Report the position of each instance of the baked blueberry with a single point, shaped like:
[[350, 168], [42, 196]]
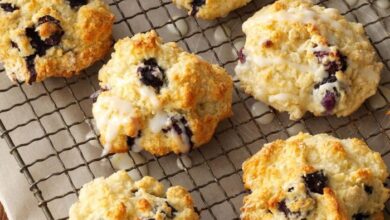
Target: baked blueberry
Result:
[[95, 95], [360, 216], [40, 45], [368, 189], [130, 141], [30, 62], [55, 38], [241, 56], [196, 4], [14, 45], [181, 127], [339, 63], [321, 55], [282, 206], [152, 74], [342, 61], [36, 42], [77, 3], [332, 67], [329, 101], [330, 79], [316, 182], [8, 7]]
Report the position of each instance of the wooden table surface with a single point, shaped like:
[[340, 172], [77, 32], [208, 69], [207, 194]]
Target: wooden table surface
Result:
[[2, 213]]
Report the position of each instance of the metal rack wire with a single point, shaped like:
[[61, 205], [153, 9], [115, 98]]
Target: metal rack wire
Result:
[[214, 179]]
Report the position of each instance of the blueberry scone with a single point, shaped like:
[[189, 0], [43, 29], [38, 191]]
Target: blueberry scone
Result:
[[210, 9], [52, 38], [159, 98], [299, 57], [315, 177], [119, 197]]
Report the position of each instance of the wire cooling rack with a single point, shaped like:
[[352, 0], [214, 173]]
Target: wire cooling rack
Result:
[[45, 125]]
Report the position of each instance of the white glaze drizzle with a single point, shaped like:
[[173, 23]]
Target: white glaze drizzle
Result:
[[158, 122], [162, 120], [149, 93], [270, 61], [111, 114], [183, 138], [303, 15], [136, 148]]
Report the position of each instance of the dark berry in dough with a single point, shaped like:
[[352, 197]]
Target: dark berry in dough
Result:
[[77, 3], [282, 206], [196, 4], [36, 42], [55, 38], [368, 189], [360, 216], [30, 62], [130, 142], [180, 125], [151, 74], [241, 56], [316, 182], [8, 7], [329, 101]]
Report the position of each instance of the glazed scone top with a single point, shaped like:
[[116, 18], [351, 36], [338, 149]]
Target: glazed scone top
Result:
[[315, 177], [119, 197], [301, 57], [210, 9], [159, 98], [44, 38]]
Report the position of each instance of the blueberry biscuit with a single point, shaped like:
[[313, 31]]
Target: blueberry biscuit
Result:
[[159, 98], [119, 197], [210, 9], [315, 177], [52, 38], [299, 57]]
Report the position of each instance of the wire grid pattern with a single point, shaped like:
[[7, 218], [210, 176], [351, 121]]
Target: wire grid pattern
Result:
[[49, 115]]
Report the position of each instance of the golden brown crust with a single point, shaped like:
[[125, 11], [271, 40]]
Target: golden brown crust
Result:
[[118, 197], [179, 114], [80, 36], [351, 174]]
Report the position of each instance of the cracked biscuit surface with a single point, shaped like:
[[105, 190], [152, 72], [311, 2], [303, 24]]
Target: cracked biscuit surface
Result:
[[315, 177], [210, 9], [299, 57], [159, 98], [119, 197], [52, 38]]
